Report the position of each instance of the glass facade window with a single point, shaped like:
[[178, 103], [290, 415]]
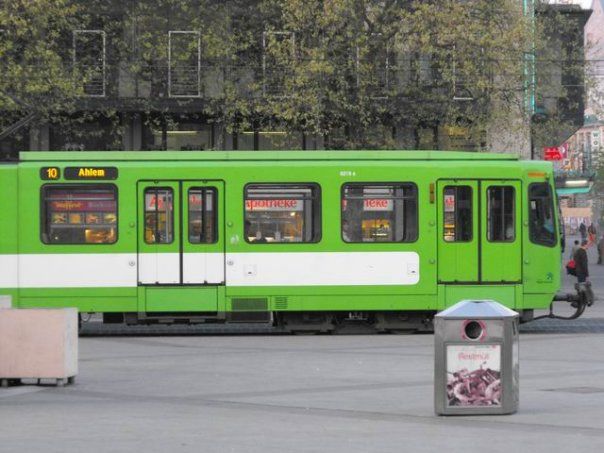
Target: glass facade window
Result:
[[500, 214], [202, 215], [541, 214], [282, 213], [457, 218], [79, 214], [159, 215], [379, 212]]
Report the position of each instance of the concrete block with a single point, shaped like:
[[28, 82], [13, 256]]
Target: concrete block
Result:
[[38, 343], [6, 301]]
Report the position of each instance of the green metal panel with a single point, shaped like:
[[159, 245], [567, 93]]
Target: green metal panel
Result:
[[457, 260], [8, 207], [501, 261], [504, 294], [113, 303], [540, 263], [190, 299]]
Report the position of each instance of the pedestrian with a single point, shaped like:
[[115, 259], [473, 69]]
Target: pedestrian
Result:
[[345, 231], [576, 247], [591, 231], [600, 250], [581, 265], [583, 231]]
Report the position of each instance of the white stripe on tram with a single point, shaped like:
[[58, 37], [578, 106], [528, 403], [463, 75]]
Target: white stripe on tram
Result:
[[322, 269], [242, 269]]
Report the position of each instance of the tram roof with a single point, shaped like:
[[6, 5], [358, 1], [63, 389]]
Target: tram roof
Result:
[[103, 156]]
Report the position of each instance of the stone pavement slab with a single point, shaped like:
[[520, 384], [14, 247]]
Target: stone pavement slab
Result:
[[276, 393]]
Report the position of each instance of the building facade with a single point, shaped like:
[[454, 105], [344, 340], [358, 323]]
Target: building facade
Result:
[[153, 78]]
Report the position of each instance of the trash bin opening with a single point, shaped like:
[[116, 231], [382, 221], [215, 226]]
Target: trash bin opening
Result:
[[473, 330]]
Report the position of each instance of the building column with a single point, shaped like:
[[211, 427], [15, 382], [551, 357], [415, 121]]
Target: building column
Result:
[[39, 138], [133, 132], [137, 132], [404, 137]]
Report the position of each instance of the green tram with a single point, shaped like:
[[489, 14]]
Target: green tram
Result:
[[306, 240]]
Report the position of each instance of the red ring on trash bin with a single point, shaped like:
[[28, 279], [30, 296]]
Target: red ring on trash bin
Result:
[[483, 328]]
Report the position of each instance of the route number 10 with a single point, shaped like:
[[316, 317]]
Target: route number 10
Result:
[[50, 173]]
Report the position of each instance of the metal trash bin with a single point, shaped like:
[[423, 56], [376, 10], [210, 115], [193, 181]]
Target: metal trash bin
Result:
[[476, 359]]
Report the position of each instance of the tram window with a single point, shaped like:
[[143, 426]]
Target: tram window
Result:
[[79, 214], [159, 215], [457, 205], [541, 214], [500, 214], [202, 215], [282, 213], [379, 213]]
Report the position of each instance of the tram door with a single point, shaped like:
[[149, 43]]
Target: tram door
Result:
[[180, 238], [479, 232]]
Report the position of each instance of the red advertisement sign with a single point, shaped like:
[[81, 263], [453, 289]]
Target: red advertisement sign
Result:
[[377, 204], [474, 375], [274, 205], [91, 205], [552, 153]]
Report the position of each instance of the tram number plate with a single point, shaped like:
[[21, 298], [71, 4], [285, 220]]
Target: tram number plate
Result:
[[50, 173]]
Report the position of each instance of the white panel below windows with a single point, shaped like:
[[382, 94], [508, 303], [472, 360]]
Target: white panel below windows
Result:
[[242, 269], [203, 268], [84, 270], [9, 271], [322, 269], [159, 268]]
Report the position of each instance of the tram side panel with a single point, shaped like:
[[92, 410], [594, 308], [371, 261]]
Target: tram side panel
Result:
[[330, 274], [9, 233], [77, 242], [542, 250]]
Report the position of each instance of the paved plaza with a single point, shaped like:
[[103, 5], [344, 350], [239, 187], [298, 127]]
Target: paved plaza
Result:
[[267, 392]]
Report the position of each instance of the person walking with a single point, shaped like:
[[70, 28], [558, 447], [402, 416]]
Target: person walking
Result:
[[581, 264], [600, 249], [583, 231], [591, 231], [576, 247]]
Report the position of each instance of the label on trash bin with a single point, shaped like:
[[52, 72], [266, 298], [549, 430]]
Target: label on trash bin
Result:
[[474, 375]]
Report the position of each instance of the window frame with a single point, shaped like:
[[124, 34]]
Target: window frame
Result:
[[316, 211], [210, 189], [514, 216], [174, 231], [74, 50], [171, 67], [553, 208], [379, 184], [44, 211], [472, 212]]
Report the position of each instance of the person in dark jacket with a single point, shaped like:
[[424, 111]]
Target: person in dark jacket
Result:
[[581, 262], [583, 231], [576, 246]]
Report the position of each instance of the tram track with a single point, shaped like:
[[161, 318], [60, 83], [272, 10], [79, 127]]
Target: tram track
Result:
[[92, 329]]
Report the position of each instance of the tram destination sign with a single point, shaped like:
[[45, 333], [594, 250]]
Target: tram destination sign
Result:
[[98, 173]]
